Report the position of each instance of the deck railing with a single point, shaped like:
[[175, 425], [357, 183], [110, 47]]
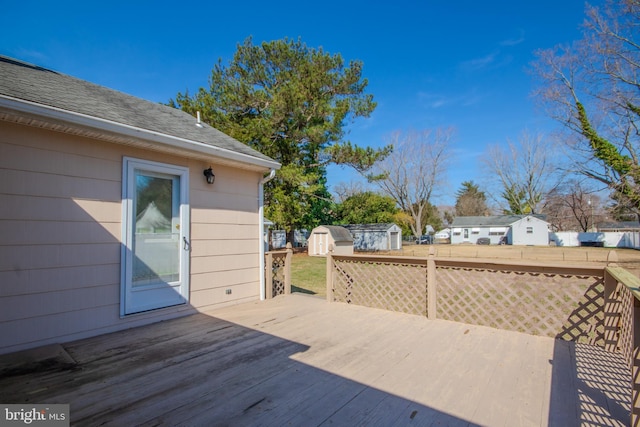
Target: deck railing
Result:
[[622, 326], [596, 304], [278, 272]]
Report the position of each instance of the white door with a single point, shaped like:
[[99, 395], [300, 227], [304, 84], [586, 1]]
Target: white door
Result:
[[155, 256], [321, 242], [395, 238]]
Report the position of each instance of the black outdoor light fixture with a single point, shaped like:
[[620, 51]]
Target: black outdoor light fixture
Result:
[[208, 173]]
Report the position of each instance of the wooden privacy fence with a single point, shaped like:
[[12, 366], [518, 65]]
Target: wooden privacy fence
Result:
[[597, 304], [278, 272]]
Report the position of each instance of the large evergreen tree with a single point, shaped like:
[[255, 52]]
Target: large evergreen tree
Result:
[[470, 201], [292, 103]]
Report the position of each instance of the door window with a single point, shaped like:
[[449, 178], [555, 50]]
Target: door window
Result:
[[155, 259]]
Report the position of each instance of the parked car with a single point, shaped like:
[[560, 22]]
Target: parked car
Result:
[[442, 237], [424, 240], [483, 241]]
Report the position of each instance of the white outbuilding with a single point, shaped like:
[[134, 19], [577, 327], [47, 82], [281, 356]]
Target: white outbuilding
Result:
[[507, 229], [376, 237], [324, 237]]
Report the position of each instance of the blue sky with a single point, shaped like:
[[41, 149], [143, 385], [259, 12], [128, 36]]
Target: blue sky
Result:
[[429, 63]]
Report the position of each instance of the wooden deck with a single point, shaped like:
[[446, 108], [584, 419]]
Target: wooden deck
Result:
[[298, 360]]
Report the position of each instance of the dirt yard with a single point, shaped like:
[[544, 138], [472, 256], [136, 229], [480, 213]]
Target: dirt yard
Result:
[[627, 258]]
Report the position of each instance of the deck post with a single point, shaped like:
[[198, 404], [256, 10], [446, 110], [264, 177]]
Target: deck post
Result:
[[431, 284], [329, 274], [287, 269], [611, 312], [268, 277]]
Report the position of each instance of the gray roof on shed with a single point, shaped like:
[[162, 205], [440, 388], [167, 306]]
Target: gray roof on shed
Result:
[[383, 227], [339, 234], [27, 82], [490, 221]]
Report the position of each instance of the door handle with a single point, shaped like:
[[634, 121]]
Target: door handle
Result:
[[186, 245]]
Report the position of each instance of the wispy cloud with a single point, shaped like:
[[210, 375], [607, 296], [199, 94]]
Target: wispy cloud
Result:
[[434, 100], [513, 41], [482, 62], [439, 100], [497, 58]]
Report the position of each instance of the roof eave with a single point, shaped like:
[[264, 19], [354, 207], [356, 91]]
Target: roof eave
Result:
[[131, 133]]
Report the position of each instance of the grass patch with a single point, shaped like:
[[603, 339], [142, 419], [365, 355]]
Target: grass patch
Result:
[[308, 274]]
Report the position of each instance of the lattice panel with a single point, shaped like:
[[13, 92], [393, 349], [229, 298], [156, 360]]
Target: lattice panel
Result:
[[625, 339], [561, 306], [278, 280], [390, 286]]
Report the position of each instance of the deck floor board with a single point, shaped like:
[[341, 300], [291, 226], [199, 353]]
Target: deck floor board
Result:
[[298, 360]]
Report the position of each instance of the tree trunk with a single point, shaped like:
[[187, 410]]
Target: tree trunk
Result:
[[291, 238]]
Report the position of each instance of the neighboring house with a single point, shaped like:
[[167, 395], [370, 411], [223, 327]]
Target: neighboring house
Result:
[[106, 219], [375, 237], [326, 237], [620, 226], [514, 229]]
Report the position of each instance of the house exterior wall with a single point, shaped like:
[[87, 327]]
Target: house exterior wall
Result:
[[472, 235], [61, 234], [526, 231], [530, 231]]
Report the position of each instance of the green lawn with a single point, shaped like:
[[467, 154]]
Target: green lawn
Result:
[[308, 274]]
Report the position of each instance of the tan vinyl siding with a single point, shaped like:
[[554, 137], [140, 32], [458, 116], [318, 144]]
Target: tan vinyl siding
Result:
[[16, 282], [56, 232], [209, 289], [206, 248], [60, 237], [219, 232], [73, 325], [225, 242]]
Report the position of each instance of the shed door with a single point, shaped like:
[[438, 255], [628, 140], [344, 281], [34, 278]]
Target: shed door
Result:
[[156, 240], [321, 243], [394, 240]]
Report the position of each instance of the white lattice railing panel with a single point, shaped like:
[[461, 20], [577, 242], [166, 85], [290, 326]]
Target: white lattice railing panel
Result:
[[548, 304], [393, 286]]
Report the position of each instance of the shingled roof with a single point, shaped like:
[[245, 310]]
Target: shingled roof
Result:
[[339, 234], [490, 221], [37, 96], [381, 227]]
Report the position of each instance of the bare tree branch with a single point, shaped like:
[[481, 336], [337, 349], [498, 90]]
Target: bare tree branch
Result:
[[415, 170]]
